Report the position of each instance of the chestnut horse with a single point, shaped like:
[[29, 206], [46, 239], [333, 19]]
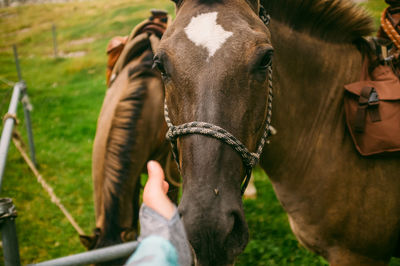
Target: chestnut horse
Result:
[[130, 131], [214, 61]]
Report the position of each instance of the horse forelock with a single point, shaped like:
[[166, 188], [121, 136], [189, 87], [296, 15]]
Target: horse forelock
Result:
[[335, 20]]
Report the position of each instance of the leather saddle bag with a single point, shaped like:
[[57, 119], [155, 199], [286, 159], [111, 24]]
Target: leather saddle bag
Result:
[[372, 109]]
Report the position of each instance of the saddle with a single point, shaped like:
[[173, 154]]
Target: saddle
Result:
[[121, 49], [372, 105]]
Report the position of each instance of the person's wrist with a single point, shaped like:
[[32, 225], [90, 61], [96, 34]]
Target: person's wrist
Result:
[[161, 205]]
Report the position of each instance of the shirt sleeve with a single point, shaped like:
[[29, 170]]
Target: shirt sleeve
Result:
[[172, 230], [154, 250]]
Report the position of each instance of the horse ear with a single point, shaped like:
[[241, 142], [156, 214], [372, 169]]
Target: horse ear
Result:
[[255, 5]]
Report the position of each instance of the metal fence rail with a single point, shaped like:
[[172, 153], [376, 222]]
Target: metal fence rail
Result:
[[95, 256], [10, 119], [9, 122], [7, 208], [8, 214]]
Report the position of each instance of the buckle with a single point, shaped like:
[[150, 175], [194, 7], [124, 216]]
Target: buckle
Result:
[[373, 98]]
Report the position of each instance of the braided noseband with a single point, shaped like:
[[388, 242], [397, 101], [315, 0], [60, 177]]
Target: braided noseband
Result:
[[249, 159]]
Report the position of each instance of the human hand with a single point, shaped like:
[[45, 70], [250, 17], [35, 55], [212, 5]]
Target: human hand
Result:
[[155, 191]]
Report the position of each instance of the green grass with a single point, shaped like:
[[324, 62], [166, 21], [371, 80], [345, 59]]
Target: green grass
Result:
[[271, 241], [67, 96]]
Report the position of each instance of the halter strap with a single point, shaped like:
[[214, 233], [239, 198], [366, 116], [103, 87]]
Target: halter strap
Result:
[[250, 159]]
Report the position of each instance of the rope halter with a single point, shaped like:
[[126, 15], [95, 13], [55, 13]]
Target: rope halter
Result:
[[250, 159]]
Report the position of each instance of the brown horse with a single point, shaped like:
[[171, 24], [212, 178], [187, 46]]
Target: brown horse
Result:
[[130, 131], [214, 61]]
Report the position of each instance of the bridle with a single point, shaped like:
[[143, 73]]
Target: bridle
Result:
[[250, 159]]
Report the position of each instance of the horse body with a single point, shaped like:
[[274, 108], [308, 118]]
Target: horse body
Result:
[[340, 205], [130, 131]]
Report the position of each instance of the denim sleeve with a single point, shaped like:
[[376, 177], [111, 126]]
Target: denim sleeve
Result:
[[154, 250], [152, 223], [172, 231]]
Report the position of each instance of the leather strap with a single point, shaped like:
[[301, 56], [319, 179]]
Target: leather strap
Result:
[[359, 123], [368, 101]]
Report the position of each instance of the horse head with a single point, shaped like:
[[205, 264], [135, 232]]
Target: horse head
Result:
[[215, 59]]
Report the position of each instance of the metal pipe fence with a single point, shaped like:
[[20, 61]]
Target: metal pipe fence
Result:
[[10, 118], [7, 209], [9, 121], [8, 232], [95, 256]]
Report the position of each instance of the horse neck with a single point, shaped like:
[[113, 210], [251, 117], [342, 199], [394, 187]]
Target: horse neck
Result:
[[309, 75]]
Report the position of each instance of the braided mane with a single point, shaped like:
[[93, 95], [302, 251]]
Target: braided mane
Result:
[[330, 20]]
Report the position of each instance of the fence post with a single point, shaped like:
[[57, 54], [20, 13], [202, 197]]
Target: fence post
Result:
[[17, 62], [55, 40], [27, 108], [9, 233]]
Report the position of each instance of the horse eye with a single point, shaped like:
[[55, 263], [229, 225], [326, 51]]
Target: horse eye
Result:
[[267, 60]]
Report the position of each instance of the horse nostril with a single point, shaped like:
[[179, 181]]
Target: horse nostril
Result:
[[238, 236], [181, 211]]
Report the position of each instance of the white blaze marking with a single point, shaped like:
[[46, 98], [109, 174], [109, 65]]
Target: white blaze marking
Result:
[[204, 31]]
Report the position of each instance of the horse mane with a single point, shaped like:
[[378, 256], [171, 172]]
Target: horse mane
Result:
[[330, 20], [118, 155], [118, 162]]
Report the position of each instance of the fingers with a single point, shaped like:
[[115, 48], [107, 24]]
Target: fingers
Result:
[[155, 190], [165, 187], [156, 176], [155, 182], [155, 171]]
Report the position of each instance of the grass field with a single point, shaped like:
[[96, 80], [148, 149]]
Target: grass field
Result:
[[67, 94]]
